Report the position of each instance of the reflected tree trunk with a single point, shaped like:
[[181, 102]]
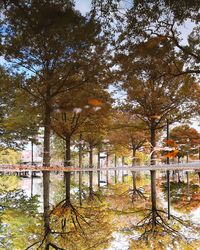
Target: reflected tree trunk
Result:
[[46, 174], [107, 163], [98, 166], [122, 168], [115, 164], [91, 173], [133, 172], [179, 180], [67, 164], [32, 162], [80, 173], [153, 175], [199, 177], [188, 185]]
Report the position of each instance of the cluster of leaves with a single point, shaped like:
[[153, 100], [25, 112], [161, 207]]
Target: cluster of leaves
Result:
[[18, 114], [187, 139], [184, 198], [172, 148], [20, 221], [74, 227], [9, 156], [62, 60]]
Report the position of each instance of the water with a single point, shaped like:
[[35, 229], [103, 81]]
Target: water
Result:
[[120, 240]]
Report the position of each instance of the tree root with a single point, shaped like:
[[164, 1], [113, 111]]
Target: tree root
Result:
[[67, 211], [155, 223], [93, 196], [135, 194]]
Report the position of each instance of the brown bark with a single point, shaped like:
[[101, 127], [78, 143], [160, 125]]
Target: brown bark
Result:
[[134, 180], [80, 173], [122, 169], [91, 173], [107, 174], [67, 163], [153, 197], [153, 176], [115, 170], [133, 172], [46, 174], [98, 166], [199, 177]]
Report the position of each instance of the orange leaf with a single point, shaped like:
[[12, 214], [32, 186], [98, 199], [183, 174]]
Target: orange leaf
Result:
[[171, 154], [95, 102], [171, 143]]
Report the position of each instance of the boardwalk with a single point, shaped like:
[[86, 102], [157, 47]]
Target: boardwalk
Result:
[[164, 167]]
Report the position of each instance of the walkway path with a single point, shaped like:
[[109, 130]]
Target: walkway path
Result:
[[182, 166]]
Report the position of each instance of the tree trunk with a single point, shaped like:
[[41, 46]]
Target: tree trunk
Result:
[[90, 172], [115, 170], [174, 175], [107, 174], [32, 162], [133, 172], [153, 197], [46, 174], [67, 163], [122, 168], [199, 177], [179, 176], [188, 185], [98, 166], [80, 173], [153, 177]]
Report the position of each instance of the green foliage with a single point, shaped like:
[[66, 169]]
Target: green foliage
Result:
[[184, 198], [57, 149], [164, 241], [9, 156], [20, 221], [9, 183], [19, 201], [18, 114]]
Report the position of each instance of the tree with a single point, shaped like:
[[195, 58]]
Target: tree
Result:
[[186, 137], [19, 213], [130, 133], [18, 114], [165, 21], [94, 133], [162, 20], [152, 94], [75, 115], [54, 46], [9, 156]]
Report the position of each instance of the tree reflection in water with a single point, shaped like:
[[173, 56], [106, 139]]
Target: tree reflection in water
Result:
[[95, 224], [20, 222]]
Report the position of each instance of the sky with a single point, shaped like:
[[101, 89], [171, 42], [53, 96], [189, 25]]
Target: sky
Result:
[[83, 5]]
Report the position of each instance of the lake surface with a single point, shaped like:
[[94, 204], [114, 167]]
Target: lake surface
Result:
[[184, 204]]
